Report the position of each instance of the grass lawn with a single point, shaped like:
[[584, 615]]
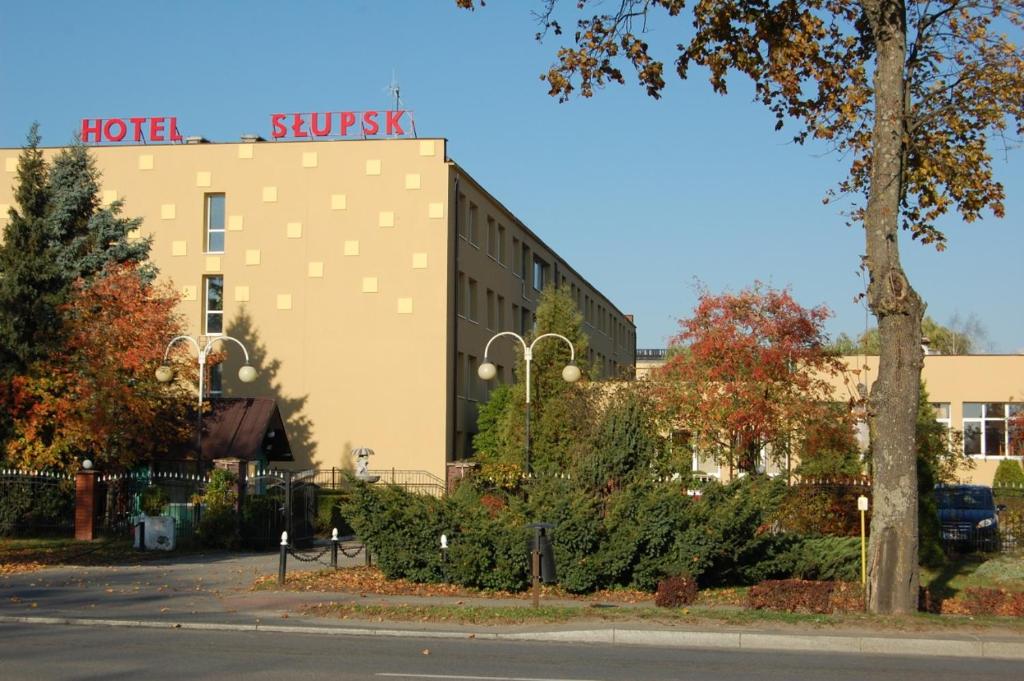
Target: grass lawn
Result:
[[1000, 571]]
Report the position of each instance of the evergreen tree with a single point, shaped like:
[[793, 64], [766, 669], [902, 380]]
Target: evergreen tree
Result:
[[560, 413], [31, 285], [88, 237]]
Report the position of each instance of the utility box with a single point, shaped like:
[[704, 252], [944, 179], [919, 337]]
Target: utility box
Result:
[[541, 541], [158, 531]]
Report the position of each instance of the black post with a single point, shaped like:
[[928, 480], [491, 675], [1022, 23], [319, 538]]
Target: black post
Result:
[[288, 502], [142, 533], [282, 566], [334, 548]]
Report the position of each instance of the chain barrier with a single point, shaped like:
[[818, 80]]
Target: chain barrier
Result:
[[355, 551], [308, 559]]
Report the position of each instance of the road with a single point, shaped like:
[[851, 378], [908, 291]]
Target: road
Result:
[[79, 653]]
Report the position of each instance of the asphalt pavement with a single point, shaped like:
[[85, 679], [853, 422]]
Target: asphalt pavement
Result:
[[213, 592]]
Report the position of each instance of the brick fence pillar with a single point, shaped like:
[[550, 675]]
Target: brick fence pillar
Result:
[[85, 505]]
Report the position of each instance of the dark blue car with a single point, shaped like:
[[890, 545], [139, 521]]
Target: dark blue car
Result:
[[969, 517]]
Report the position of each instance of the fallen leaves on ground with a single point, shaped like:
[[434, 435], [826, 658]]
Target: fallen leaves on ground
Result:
[[370, 580]]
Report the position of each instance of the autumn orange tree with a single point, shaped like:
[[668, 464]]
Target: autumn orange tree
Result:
[[750, 377], [914, 93], [97, 397]]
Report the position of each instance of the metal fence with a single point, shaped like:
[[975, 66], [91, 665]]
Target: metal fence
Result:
[[420, 482], [36, 503], [119, 500]]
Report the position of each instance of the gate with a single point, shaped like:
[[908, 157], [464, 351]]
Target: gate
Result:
[[119, 501], [34, 503], [277, 501]]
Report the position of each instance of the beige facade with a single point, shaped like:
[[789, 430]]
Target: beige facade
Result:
[[974, 395], [365, 276]]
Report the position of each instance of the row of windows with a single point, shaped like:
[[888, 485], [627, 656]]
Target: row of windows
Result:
[[525, 264], [468, 383], [987, 426], [467, 304]]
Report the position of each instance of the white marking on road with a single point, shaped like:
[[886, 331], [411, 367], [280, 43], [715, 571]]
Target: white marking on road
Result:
[[472, 678]]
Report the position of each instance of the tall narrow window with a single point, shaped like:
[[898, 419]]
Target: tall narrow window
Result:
[[214, 223], [517, 255], [501, 314], [492, 238], [473, 226], [216, 375], [213, 298], [502, 253], [474, 301], [492, 312]]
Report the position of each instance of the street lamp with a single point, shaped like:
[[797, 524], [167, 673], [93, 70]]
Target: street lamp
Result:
[[570, 374], [164, 373]]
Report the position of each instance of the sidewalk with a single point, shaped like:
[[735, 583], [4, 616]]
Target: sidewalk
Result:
[[213, 591]]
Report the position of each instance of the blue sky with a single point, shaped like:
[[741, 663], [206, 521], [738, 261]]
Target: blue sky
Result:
[[642, 197]]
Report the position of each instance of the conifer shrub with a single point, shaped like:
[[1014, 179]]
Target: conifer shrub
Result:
[[1009, 474]]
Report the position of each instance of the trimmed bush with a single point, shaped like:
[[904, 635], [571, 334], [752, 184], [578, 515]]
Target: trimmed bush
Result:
[[329, 515], [795, 595], [153, 500], [1009, 473], [402, 529], [218, 526], [674, 592]]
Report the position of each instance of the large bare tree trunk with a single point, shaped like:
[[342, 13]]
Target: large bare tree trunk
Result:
[[893, 567]]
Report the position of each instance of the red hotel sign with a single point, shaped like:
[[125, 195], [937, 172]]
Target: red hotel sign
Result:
[[137, 129], [341, 124]]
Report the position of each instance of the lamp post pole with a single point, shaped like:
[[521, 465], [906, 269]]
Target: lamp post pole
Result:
[[570, 374], [164, 374]]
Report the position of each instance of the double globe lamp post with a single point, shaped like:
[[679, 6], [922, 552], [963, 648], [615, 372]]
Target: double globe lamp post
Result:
[[165, 374], [570, 374]]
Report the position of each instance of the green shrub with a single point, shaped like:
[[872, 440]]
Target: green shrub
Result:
[[329, 515], [1009, 473], [153, 501], [218, 525], [401, 529], [30, 506], [826, 558], [487, 544]]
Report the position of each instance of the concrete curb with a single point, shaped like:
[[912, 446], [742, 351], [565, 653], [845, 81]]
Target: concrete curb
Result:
[[755, 641]]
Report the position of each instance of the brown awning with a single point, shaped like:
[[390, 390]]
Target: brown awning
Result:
[[248, 428]]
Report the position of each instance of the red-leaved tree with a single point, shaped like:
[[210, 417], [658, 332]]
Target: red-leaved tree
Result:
[[748, 375], [98, 397]]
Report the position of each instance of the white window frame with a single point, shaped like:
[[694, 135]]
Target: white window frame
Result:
[[207, 312], [209, 228]]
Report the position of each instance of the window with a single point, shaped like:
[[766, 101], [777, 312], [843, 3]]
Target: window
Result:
[[492, 238], [216, 376], [492, 312], [524, 262], [472, 379], [213, 297], [460, 375], [461, 296], [500, 375], [524, 320], [987, 428], [517, 254], [463, 223], [501, 314], [473, 226], [540, 273], [214, 223], [515, 318], [473, 312], [502, 253]]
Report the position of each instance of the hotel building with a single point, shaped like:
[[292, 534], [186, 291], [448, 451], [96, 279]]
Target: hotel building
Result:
[[365, 277]]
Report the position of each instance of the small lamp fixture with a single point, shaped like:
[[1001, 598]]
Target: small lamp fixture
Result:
[[86, 464], [487, 371], [247, 374], [571, 373], [164, 373]]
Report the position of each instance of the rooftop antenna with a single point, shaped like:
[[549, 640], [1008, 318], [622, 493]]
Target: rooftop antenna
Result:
[[395, 90]]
